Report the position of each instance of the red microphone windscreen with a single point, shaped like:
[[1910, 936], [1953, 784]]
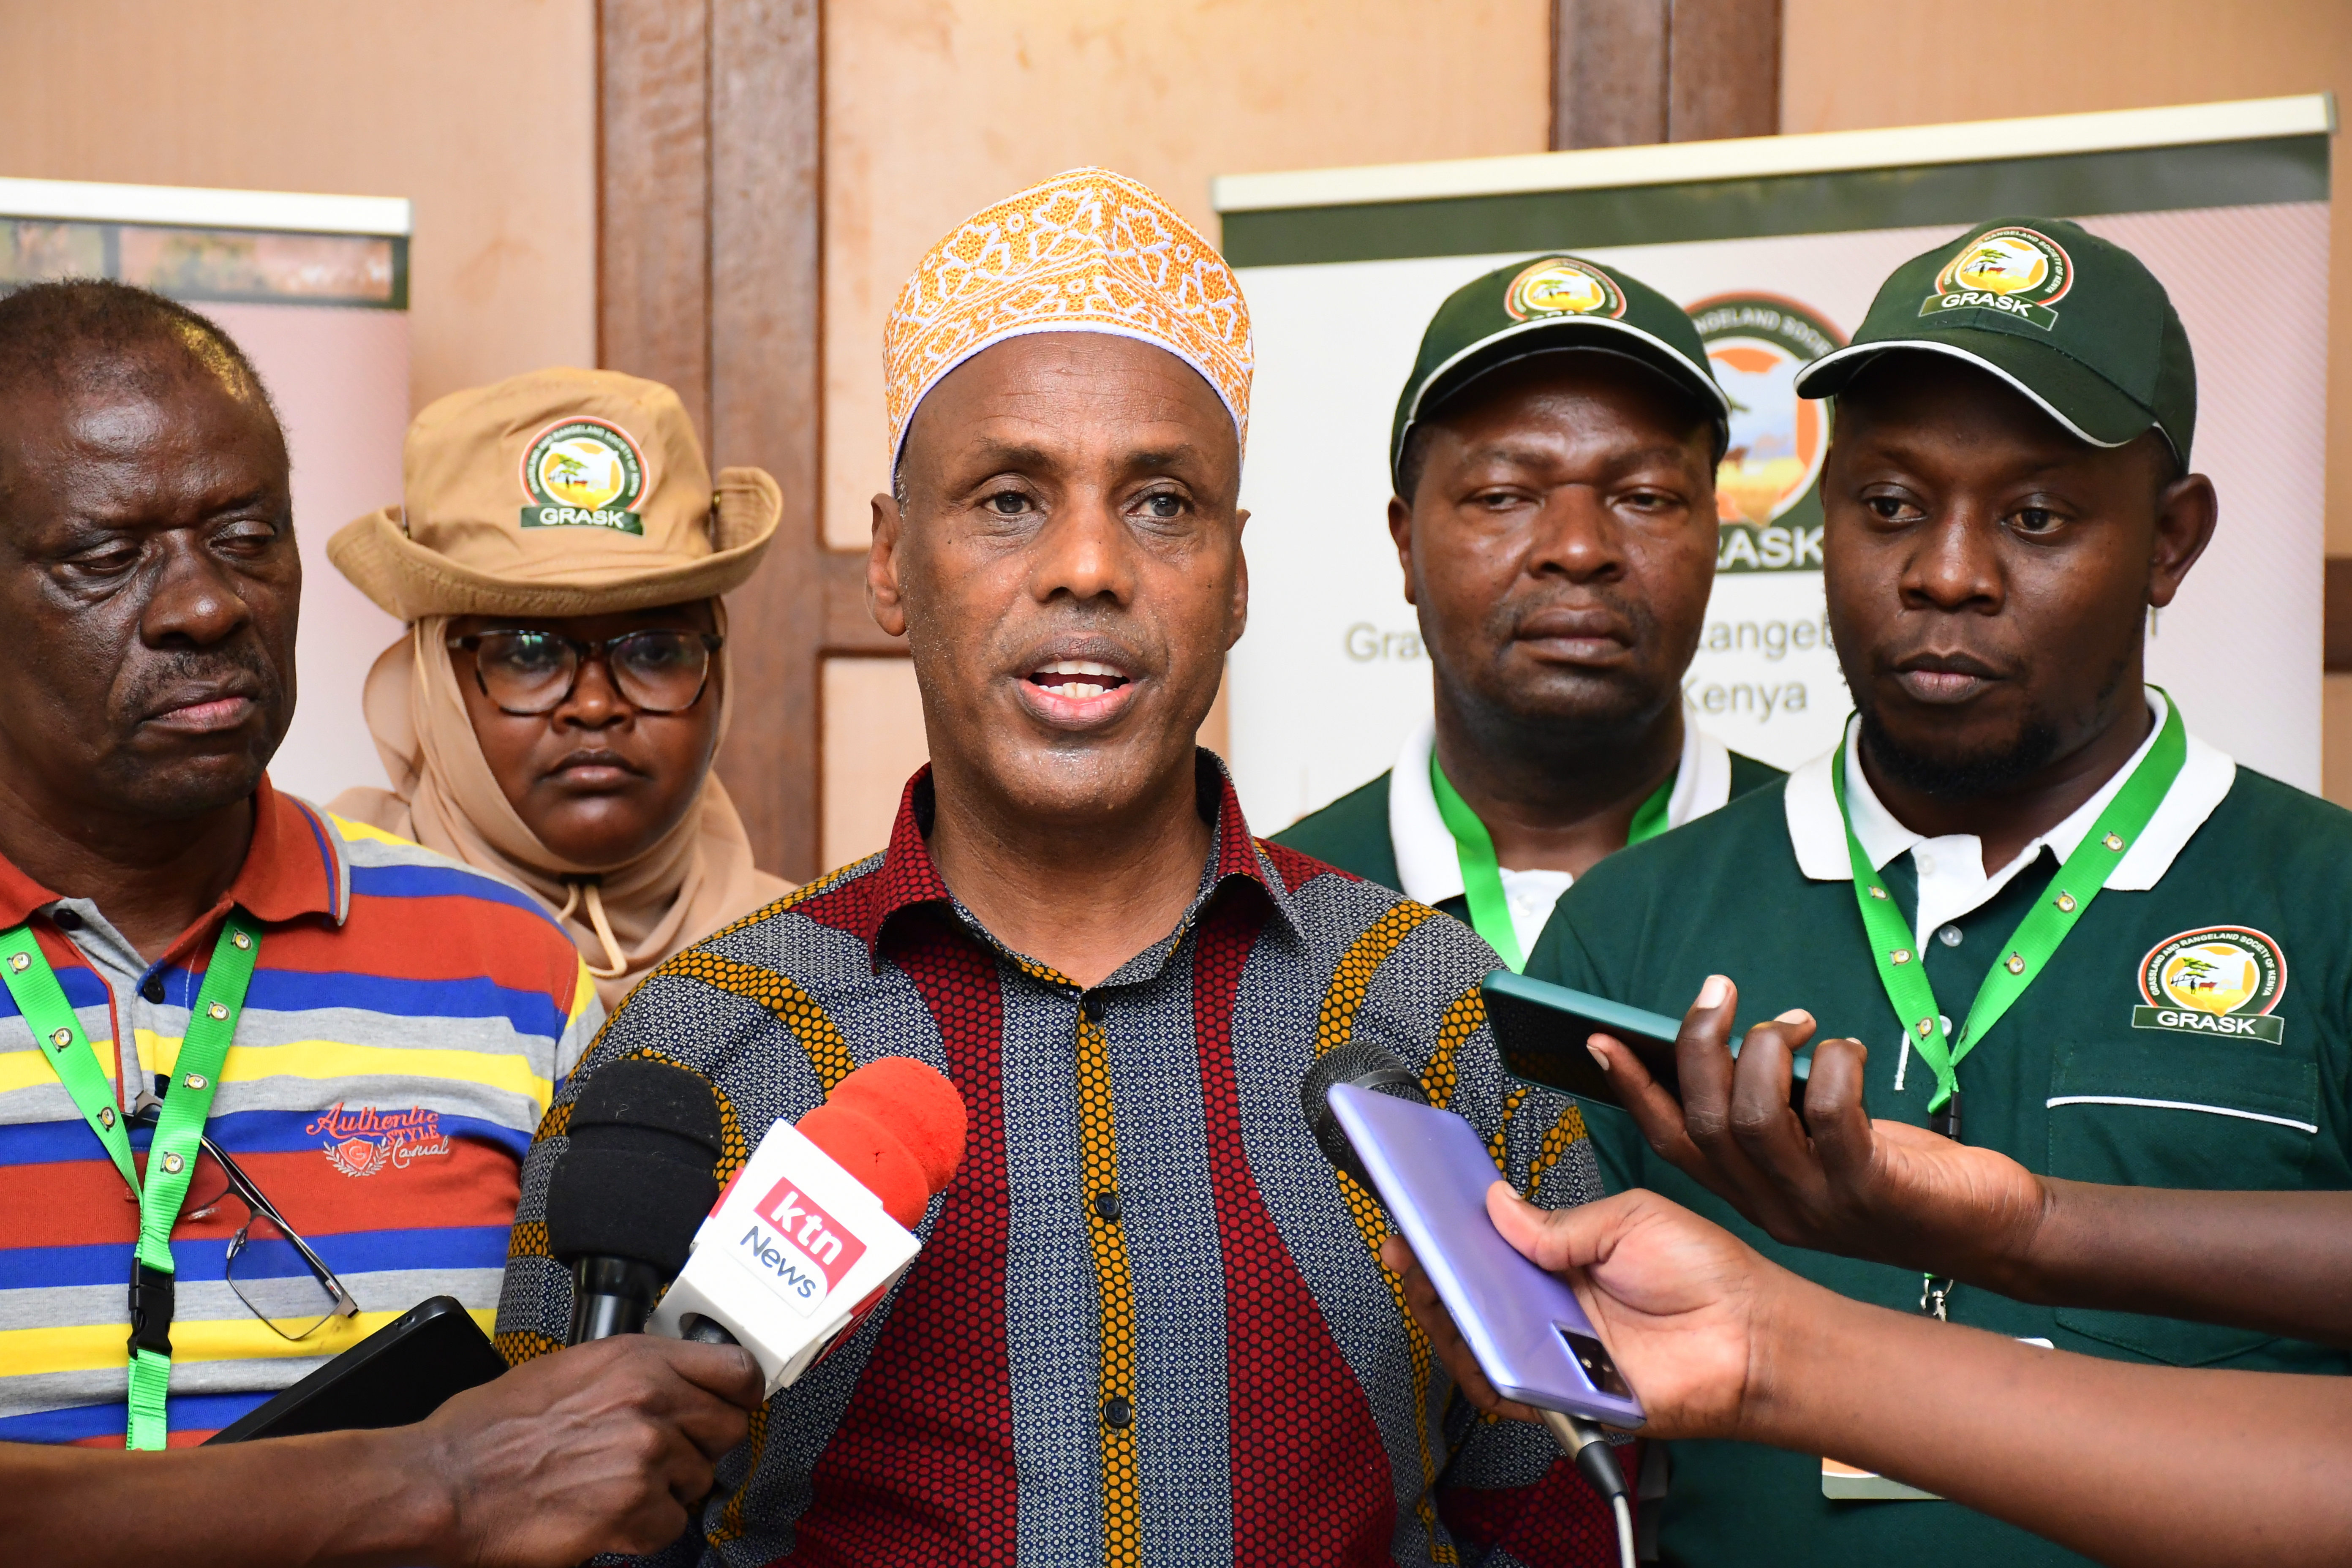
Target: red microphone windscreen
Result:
[[915, 1101], [873, 1154]]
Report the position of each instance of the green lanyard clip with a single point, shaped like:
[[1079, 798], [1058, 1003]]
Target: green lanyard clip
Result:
[[179, 1129], [1902, 969]]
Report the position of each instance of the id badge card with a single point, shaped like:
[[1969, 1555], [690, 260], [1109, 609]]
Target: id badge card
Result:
[[1842, 1482]]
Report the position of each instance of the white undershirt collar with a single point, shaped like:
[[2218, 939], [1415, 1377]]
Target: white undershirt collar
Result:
[[1952, 879], [1431, 868]]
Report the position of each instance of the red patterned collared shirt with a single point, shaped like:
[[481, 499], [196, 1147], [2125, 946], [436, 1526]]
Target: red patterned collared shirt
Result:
[[1147, 1324]]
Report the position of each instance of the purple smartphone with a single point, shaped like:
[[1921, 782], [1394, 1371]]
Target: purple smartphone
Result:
[[1525, 1327]]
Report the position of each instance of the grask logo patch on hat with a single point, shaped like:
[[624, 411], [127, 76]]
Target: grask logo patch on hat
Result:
[[583, 473], [1558, 287], [2222, 980], [2019, 272]]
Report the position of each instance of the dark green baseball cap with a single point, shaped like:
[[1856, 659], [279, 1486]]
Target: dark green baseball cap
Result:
[[2076, 322], [1552, 302]]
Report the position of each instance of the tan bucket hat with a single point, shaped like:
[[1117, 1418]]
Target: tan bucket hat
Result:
[[563, 492]]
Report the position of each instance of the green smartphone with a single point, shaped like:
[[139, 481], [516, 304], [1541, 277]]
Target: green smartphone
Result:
[[1541, 1030]]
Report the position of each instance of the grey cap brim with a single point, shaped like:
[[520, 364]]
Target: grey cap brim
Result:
[[2085, 404]]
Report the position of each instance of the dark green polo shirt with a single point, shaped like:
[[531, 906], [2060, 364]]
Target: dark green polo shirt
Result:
[[1352, 832], [2084, 1079]]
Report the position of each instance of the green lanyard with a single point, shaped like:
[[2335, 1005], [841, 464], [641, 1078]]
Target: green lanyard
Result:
[[171, 1154], [1482, 872], [1903, 972]]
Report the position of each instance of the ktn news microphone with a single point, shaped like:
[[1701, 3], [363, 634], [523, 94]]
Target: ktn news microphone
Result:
[[1431, 1172], [803, 1241]]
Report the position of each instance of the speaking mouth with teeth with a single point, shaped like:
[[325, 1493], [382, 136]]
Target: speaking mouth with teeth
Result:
[[1077, 679]]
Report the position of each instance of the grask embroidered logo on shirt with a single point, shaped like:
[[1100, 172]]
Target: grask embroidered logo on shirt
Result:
[[361, 1141], [2220, 979]]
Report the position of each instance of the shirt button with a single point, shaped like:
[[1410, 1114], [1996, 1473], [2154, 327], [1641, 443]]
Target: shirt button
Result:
[[1092, 1006], [1117, 1413], [153, 988], [1949, 936], [66, 919], [1106, 1203], [1926, 864]]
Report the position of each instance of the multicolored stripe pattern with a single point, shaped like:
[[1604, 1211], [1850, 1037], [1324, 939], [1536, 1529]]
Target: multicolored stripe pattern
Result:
[[1148, 1324], [404, 1033]]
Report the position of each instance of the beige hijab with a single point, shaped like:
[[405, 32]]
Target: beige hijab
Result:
[[624, 919]]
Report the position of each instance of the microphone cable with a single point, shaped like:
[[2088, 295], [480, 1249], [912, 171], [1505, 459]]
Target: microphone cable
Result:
[[1597, 1463]]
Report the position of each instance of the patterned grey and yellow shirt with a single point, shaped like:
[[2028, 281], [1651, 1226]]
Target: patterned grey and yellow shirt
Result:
[[1146, 1324]]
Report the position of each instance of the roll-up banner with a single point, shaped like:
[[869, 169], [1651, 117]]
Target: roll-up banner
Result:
[[1775, 244], [315, 290]]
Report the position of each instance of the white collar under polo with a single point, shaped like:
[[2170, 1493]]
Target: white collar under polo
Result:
[[1952, 877], [1431, 868]]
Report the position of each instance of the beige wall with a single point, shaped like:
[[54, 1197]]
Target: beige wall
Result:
[[480, 112], [936, 107]]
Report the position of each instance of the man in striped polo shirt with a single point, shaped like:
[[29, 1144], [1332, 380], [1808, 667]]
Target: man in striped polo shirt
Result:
[[367, 1030]]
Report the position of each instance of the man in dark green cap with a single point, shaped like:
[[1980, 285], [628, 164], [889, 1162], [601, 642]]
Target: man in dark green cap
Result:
[[1554, 456], [2060, 924]]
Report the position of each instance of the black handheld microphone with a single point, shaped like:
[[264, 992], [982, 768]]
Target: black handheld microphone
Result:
[[1367, 1066], [625, 1199], [1383, 1071]]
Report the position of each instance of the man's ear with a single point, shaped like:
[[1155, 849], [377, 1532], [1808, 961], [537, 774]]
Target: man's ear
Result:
[[885, 599], [1237, 607], [1400, 530], [2186, 514]]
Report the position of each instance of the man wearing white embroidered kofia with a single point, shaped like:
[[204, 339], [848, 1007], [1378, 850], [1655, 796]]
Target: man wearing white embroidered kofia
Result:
[[1148, 1322]]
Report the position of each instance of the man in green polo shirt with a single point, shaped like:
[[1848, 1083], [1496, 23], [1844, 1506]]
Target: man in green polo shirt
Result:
[[2060, 924], [1554, 456]]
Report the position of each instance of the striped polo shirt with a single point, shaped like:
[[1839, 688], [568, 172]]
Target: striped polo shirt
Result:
[[404, 1031], [1149, 1324]]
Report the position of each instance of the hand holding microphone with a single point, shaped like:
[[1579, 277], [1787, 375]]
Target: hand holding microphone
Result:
[[601, 1448], [805, 1238]]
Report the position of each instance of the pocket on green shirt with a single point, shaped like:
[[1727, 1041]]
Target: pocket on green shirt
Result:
[[2180, 1111]]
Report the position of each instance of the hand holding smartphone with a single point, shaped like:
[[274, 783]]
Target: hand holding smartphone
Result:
[[1541, 1028], [1525, 1327]]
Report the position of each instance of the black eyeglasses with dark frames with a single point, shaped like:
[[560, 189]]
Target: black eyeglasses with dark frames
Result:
[[276, 1273], [528, 673]]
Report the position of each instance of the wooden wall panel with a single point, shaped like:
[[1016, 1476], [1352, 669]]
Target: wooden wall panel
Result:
[[765, 168], [711, 166], [1629, 72], [1610, 72], [653, 229], [1724, 77]]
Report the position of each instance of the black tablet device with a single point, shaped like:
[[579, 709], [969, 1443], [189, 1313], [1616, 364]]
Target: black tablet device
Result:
[[1541, 1030], [398, 1374]]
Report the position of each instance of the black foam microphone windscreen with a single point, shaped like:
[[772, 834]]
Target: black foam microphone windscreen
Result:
[[640, 1172], [1367, 1066]]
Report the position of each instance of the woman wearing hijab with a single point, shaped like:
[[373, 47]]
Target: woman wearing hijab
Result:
[[553, 713]]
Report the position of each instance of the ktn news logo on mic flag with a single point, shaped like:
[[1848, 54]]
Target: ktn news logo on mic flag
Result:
[[807, 1249]]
